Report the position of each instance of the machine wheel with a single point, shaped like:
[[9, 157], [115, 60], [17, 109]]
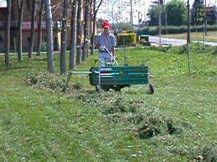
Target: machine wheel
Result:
[[98, 88], [105, 88], [151, 89], [117, 88]]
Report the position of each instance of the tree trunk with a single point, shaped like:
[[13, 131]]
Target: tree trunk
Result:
[[7, 33], [49, 25], [64, 38], [93, 34], [20, 30], [39, 28], [86, 30], [79, 33], [32, 28], [72, 56], [95, 10], [93, 27], [91, 24]]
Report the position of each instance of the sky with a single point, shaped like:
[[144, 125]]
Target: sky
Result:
[[141, 9], [3, 3]]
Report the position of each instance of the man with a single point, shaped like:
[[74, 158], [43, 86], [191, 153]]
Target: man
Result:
[[106, 43]]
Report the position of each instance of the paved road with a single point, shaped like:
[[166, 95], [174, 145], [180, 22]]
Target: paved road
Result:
[[175, 42], [208, 43]]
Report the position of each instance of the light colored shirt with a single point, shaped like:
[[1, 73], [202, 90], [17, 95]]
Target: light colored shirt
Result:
[[106, 40]]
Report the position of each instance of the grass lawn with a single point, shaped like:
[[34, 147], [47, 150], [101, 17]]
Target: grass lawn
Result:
[[177, 123], [195, 36]]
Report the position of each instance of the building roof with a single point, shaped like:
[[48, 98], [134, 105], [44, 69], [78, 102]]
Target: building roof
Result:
[[3, 4]]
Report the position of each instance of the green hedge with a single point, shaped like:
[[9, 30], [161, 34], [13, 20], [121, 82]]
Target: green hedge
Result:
[[126, 38], [174, 29]]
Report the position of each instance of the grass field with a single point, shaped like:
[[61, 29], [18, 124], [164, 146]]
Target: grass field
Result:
[[39, 122], [195, 36]]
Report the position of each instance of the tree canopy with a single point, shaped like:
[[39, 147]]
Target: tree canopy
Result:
[[176, 12]]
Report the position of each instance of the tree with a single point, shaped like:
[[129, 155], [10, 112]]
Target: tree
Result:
[[119, 10], [20, 33], [155, 13], [7, 33], [72, 55], [49, 25], [64, 38], [160, 4], [39, 28], [33, 11], [211, 15], [96, 6], [79, 33], [120, 26], [197, 12], [165, 15], [176, 12], [86, 30]]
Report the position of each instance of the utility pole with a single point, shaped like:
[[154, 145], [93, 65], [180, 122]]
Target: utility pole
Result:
[[188, 34], [160, 25], [139, 20], [131, 12], [165, 16], [188, 37], [205, 21]]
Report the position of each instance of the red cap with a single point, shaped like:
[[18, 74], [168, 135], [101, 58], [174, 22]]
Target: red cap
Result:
[[106, 25]]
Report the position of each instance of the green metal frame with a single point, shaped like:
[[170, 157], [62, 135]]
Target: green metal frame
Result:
[[119, 75]]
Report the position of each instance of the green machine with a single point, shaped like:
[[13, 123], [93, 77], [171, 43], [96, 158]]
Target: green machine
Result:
[[113, 76], [118, 77]]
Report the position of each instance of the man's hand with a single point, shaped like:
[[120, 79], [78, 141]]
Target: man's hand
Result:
[[102, 48]]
